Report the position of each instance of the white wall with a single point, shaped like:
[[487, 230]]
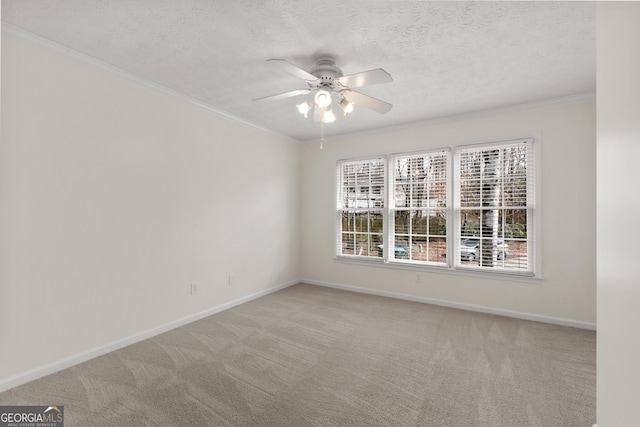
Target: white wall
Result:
[[567, 133], [114, 197], [618, 209]]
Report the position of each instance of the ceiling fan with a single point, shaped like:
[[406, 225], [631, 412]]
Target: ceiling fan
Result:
[[328, 82]]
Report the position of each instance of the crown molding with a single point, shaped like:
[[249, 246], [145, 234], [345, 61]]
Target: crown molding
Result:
[[156, 87], [19, 33], [569, 99]]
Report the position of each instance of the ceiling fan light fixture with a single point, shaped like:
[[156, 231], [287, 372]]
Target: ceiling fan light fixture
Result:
[[304, 108], [322, 99], [328, 116], [347, 107], [326, 81]]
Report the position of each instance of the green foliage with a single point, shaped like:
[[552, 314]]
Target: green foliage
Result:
[[437, 225], [515, 231], [511, 231], [432, 225], [359, 224], [471, 229], [376, 224]]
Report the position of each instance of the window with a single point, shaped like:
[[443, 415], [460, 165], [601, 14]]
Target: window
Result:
[[419, 207], [494, 202], [360, 207], [470, 208]]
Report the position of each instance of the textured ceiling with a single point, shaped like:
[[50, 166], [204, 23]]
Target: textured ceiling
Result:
[[446, 58]]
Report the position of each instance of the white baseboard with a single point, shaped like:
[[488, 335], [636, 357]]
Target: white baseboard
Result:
[[42, 371], [34, 374], [462, 306]]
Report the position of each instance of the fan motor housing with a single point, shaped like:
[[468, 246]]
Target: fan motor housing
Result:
[[326, 71]]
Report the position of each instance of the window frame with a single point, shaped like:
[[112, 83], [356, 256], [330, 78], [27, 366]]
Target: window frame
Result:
[[392, 208], [534, 215], [531, 205], [339, 209]]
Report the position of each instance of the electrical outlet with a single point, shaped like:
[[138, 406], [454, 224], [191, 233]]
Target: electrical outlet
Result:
[[418, 278], [194, 288], [232, 279]]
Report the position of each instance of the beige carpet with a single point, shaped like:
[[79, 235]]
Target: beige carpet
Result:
[[313, 356]]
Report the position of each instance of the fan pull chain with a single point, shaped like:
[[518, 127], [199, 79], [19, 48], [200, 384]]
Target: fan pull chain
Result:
[[321, 134]]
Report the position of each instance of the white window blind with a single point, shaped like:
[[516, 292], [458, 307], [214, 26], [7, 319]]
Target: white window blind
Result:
[[418, 197], [361, 207], [494, 200]]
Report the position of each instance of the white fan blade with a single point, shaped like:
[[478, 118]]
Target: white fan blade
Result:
[[285, 95], [360, 99], [293, 69], [365, 78]]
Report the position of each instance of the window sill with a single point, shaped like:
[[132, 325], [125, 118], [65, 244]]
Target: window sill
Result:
[[380, 263]]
